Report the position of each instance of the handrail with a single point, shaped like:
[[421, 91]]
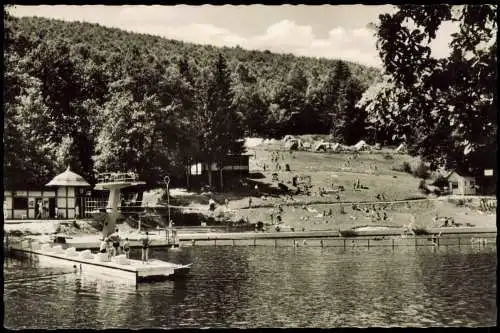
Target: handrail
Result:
[[116, 177]]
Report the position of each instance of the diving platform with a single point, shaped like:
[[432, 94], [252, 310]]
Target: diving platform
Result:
[[114, 182], [101, 263], [85, 262]]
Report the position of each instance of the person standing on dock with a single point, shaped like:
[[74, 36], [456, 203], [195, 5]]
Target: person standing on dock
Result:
[[115, 238], [145, 248], [109, 248], [103, 246], [126, 248]]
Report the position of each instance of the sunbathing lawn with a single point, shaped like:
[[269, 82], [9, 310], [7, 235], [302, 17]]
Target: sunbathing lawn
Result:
[[329, 170]]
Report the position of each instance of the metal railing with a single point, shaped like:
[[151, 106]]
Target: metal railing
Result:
[[93, 206], [108, 177], [348, 242]]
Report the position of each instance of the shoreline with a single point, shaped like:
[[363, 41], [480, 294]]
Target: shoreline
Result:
[[92, 241]]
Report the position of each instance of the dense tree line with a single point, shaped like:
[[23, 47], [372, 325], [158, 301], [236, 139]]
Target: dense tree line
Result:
[[445, 108], [103, 99]]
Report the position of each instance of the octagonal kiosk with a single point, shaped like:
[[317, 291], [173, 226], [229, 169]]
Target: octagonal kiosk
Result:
[[67, 205], [114, 182]]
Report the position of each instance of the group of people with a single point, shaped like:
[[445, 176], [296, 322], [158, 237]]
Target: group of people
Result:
[[112, 246]]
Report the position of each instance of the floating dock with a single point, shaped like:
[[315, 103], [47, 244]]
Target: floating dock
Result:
[[131, 270]]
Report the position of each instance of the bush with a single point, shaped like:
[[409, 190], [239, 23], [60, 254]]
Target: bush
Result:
[[422, 186], [422, 171], [348, 233], [388, 157], [441, 182], [16, 233], [404, 167], [420, 231]]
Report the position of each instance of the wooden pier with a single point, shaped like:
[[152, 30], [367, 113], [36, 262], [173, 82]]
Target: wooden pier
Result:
[[91, 263]]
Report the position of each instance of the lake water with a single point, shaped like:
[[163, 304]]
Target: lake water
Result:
[[247, 287]]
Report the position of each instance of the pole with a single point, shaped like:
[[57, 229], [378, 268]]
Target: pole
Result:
[[167, 181]]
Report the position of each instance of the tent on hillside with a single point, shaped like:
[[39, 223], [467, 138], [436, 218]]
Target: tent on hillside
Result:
[[253, 142], [321, 146], [361, 145], [402, 148], [345, 148], [335, 146], [292, 145]]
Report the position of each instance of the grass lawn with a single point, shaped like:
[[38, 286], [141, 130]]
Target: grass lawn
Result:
[[329, 171]]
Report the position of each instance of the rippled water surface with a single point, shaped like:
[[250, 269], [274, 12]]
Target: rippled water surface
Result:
[[268, 287]]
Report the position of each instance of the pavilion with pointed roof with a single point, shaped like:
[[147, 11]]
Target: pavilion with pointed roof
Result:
[[61, 199], [68, 179]]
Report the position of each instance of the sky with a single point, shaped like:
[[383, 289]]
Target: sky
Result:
[[328, 31]]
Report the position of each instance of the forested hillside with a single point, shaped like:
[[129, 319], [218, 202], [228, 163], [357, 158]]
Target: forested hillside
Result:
[[104, 99]]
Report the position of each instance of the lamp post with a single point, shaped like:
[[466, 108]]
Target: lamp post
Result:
[[166, 179]]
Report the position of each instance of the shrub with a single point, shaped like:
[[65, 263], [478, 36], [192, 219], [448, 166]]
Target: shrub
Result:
[[348, 233], [404, 167], [422, 171], [420, 231], [441, 182], [422, 186], [388, 157], [16, 233], [458, 202]]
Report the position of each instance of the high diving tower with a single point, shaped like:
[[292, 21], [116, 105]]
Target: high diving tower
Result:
[[114, 182]]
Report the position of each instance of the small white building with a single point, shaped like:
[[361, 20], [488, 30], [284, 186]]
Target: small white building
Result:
[[60, 201], [461, 184]]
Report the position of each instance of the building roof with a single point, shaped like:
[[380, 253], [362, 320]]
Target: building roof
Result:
[[460, 174], [68, 178]]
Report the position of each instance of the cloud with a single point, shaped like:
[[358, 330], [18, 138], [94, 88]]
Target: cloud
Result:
[[357, 45]]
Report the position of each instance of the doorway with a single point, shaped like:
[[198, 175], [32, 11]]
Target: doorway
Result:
[[52, 208]]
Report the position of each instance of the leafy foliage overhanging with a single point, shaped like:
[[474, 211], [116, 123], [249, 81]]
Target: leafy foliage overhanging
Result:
[[445, 108]]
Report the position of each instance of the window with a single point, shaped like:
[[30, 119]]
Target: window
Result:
[[196, 169], [454, 184], [472, 184], [20, 203]]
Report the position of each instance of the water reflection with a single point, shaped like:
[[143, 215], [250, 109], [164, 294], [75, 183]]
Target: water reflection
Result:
[[271, 287]]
